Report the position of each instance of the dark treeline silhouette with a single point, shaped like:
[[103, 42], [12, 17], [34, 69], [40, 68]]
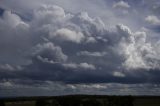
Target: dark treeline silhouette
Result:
[[2, 103]]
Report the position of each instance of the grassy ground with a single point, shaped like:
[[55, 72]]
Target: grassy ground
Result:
[[82, 100]]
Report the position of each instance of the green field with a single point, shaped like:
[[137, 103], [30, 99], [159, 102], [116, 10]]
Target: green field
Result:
[[82, 100]]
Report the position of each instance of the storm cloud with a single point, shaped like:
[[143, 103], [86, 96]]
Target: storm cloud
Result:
[[49, 45]]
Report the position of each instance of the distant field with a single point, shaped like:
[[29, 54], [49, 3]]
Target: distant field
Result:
[[21, 103], [82, 100], [147, 101]]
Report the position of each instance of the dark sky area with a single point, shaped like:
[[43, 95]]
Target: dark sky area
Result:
[[58, 47]]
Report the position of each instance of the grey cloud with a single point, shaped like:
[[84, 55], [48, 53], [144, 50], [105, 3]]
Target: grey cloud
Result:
[[94, 54], [49, 52], [75, 49], [155, 8], [1, 11], [49, 88], [46, 56], [14, 38], [7, 67], [81, 66]]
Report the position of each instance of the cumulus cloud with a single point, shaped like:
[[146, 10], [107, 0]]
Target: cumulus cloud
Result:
[[48, 13], [154, 20], [49, 52], [60, 37], [14, 37], [65, 34], [11, 19], [121, 4], [53, 44], [137, 50]]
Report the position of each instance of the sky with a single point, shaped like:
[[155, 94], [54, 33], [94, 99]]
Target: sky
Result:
[[61, 47]]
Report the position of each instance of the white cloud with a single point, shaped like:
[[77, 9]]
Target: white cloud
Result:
[[154, 20], [137, 50], [12, 20], [65, 34], [124, 31], [94, 54], [91, 40], [92, 86], [121, 4], [81, 66], [87, 66], [118, 74]]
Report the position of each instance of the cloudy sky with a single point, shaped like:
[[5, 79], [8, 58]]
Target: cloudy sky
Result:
[[58, 47]]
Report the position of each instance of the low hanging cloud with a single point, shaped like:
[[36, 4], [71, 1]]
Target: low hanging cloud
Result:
[[118, 74], [94, 54], [49, 88], [81, 66]]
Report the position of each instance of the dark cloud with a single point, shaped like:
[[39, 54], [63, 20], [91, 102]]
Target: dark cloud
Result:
[[1, 11], [49, 88]]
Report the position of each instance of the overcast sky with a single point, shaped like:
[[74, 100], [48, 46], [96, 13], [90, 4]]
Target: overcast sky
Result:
[[58, 47]]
